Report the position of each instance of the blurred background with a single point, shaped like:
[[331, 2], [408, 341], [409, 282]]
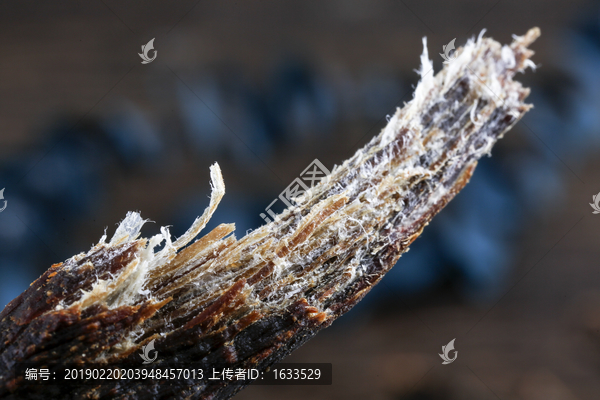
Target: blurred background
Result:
[[509, 268]]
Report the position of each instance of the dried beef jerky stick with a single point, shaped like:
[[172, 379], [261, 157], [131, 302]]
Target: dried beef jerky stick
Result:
[[251, 302]]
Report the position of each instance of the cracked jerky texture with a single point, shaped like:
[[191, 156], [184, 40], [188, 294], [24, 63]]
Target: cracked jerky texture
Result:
[[250, 302]]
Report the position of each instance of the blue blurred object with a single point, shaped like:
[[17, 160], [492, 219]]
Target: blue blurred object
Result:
[[223, 117], [48, 190], [132, 135], [476, 229], [301, 104], [64, 182]]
